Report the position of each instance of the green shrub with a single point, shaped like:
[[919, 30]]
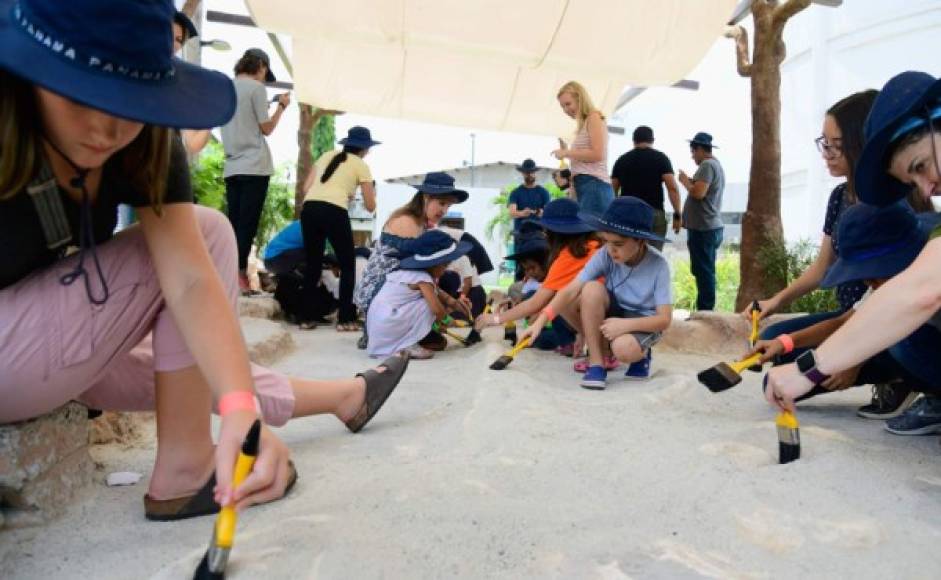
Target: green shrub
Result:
[[727, 278], [789, 262]]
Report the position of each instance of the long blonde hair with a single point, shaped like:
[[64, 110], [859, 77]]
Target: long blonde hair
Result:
[[143, 163], [585, 105]]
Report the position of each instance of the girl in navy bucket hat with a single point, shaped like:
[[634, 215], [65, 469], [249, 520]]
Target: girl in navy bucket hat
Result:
[[902, 151], [622, 316], [408, 304], [144, 320], [571, 243]]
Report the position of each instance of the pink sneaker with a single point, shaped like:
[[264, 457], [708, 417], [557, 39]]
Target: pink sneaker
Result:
[[610, 363]]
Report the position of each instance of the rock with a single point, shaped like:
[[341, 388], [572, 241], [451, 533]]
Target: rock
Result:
[[267, 341], [44, 462], [259, 307], [720, 333], [118, 427]]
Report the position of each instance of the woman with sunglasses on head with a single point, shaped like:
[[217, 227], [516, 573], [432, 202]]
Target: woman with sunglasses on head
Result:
[[902, 153]]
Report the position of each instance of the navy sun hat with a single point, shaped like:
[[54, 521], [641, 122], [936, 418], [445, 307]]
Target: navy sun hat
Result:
[[526, 247], [432, 248], [188, 27], [702, 139], [528, 166], [561, 216], [895, 112], [359, 137], [626, 216], [115, 57], [265, 60], [877, 242], [438, 183]]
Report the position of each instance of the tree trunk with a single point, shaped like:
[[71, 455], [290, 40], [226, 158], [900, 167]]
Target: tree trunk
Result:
[[761, 225], [304, 161]]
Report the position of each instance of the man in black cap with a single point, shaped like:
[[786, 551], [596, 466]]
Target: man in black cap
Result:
[[702, 217], [642, 172], [248, 163], [528, 199]]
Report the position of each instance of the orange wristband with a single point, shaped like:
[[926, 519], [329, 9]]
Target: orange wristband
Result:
[[549, 312], [237, 401], [787, 341]]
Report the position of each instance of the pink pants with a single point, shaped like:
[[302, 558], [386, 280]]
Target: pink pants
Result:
[[56, 346]]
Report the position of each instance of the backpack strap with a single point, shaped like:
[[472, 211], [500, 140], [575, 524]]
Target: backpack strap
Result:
[[44, 193]]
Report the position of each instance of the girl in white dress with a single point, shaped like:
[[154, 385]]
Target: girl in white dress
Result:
[[407, 305]]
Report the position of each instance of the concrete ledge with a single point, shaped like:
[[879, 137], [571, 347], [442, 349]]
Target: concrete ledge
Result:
[[713, 333], [267, 341], [259, 307], [44, 463]]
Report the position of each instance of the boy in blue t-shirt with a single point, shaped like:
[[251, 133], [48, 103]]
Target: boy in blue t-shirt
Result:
[[623, 316]]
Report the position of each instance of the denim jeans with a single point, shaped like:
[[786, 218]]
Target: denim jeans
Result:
[[560, 334], [593, 194], [703, 246], [918, 353]]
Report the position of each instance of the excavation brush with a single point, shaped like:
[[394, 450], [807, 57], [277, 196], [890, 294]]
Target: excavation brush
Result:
[[726, 375], [504, 361]]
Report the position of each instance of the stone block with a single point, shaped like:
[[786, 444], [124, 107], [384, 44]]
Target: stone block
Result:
[[44, 462]]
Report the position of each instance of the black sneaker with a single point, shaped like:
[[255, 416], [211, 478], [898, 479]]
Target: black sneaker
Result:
[[889, 400]]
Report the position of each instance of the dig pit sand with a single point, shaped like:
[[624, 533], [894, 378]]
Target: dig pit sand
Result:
[[473, 473]]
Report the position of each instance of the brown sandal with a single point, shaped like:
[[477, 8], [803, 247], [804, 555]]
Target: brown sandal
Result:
[[200, 503], [378, 388]]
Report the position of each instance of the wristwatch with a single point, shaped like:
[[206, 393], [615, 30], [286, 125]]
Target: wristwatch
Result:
[[807, 365]]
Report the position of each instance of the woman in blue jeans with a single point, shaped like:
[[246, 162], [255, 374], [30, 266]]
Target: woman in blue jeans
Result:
[[589, 152]]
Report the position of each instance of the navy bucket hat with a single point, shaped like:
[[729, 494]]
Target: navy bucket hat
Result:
[[877, 243], [561, 216], [438, 184], [433, 248], [359, 137], [626, 216], [528, 166], [901, 102], [115, 57], [702, 139], [527, 247]]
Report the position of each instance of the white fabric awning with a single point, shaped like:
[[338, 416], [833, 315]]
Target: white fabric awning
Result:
[[492, 64]]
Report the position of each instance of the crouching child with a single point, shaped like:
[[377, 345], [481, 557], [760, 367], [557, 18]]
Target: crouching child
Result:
[[623, 316]]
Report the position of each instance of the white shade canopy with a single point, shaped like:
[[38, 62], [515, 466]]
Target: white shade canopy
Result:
[[492, 64]]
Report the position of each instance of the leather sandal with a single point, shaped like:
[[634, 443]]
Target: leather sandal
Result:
[[200, 503], [378, 388]]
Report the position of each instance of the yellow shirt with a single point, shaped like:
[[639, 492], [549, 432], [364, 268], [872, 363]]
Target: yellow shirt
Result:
[[341, 187]]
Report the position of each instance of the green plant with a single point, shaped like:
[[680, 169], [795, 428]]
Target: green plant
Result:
[[788, 263], [278, 210], [727, 279], [501, 223], [324, 136], [206, 177]]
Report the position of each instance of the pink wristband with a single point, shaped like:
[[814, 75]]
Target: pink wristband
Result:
[[787, 341], [549, 312], [237, 401]]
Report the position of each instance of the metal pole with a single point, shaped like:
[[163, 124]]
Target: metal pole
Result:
[[473, 138]]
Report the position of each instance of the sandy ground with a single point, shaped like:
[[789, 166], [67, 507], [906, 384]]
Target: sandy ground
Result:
[[474, 473]]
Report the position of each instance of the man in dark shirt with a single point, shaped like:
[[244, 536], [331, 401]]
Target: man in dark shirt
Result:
[[528, 199], [641, 172]]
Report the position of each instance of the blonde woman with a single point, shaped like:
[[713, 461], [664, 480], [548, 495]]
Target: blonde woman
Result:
[[588, 154]]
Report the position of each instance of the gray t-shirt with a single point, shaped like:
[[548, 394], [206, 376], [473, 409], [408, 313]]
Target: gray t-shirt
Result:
[[639, 289], [246, 151], [704, 214]]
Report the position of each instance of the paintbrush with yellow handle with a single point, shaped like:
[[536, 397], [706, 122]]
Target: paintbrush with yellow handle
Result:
[[789, 439], [212, 566], [726, 375], [753, 337], [504, 361]]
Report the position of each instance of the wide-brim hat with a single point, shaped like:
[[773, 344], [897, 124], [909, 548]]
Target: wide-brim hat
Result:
[[115, 57], [184, 21], [439, 184], [561, 216], [903, 97], [265, 59], [626, 216], [878, 243], [702, 138], [526, 247], [528, 166], [432, 249], [359, 137]]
